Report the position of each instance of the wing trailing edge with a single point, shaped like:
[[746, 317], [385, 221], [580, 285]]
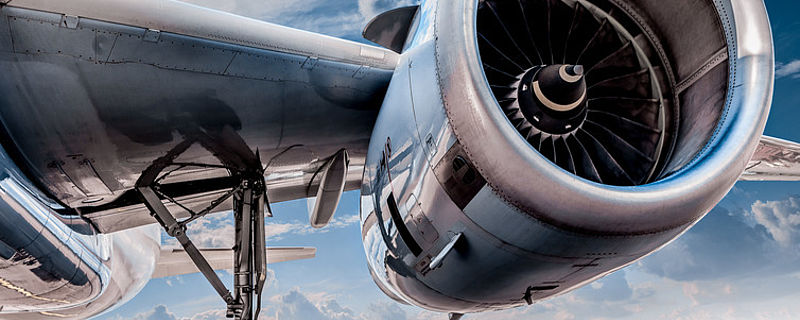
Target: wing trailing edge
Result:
[[174, 262]]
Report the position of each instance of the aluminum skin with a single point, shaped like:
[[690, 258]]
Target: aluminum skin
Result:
[[531, 230]]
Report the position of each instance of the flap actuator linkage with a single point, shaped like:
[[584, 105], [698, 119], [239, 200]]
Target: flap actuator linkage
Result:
[[250, 206]]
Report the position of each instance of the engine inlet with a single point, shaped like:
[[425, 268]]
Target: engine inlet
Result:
[[580, 84]]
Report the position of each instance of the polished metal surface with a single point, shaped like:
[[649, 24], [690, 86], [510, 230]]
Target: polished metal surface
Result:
[[459, 212], [390, 29], [774, 160], [592, 207], [49, 270], [331, 184], [74, 111], [92, 94], [529, 229], [183, 18], [617, 130]]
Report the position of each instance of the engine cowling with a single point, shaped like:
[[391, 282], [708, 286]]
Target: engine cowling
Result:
[[525, 148]]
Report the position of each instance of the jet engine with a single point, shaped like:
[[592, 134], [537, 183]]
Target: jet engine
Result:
[[528, 147]]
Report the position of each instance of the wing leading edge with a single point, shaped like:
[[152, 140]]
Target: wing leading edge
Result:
[[774, 160]]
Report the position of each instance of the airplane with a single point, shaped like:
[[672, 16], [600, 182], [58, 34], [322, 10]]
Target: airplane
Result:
[[506, 152]]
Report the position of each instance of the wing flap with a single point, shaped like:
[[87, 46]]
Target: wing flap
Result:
[[174, 262], [774, 160]]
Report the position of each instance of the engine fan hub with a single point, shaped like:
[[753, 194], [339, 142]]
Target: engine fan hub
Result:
[[553, 98]]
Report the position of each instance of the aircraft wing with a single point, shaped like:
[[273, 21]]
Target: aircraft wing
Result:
[[774, 160], [174, 262], [95, 91]]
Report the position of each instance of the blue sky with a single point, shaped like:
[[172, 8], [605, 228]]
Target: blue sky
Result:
[[740, 262]]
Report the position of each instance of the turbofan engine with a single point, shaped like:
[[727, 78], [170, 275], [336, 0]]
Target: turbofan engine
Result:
[[525, 148]]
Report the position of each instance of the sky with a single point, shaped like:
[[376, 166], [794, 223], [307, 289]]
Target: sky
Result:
[[742, 261]]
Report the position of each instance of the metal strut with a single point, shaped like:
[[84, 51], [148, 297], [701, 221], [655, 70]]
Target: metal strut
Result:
[[250, 264], [250, 207]]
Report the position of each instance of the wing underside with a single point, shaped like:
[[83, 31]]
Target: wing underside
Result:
[[92, 93], [173, 262], [774, 160]]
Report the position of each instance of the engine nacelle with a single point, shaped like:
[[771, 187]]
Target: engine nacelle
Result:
[[483, 190]]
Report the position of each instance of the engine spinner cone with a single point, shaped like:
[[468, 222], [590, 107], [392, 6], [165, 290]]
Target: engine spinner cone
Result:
[[553, 98]]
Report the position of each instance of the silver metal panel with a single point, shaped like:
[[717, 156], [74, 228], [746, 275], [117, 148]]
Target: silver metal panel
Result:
[[37, 36], [282, 186], [390, 29], [432, 125], [173, 262], [173, 51], [331, 178], [533, 227], [52, 267], [774, 160], [574, 203], [94, 111], [6, 44], [186, 19]]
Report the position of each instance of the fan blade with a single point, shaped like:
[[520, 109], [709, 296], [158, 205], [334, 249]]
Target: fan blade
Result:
[[618, 63], [636, 163], [561, 16], [584, 28], [641, 137], [609, 169], [501, 54], [563, 155], [642, 111], [583, 162], [527, 27], [604, 42], [631, 85], [547, 149], [507, 33]]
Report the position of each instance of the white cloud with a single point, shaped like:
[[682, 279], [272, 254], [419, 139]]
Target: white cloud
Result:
[[159, 312], [780, 218], [385, 311], [791, 69], [213, 314], [691, 290], [371, 8], [217, 230], [564, 315], [705, 252]]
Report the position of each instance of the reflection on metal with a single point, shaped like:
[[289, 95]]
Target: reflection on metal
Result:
[[260, 92], [184, 18], [28, 294], [437, 260], [390, 29], [249, 197], [169, 105], [57, 315], [52, 267], [329, 192], [774, 160], [533, 216], [608, 128], [455, 316]]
